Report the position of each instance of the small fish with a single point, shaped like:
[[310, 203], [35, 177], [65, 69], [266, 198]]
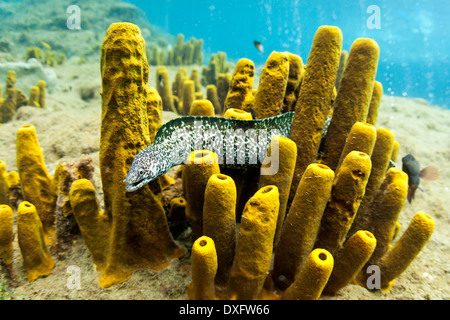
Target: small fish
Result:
[[46, 45], [412, 168], [259, 46], [160, 78]]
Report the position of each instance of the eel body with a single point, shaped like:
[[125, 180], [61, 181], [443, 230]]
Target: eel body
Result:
[[237, 143]]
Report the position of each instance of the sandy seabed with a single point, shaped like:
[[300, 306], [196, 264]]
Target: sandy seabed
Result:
[[69, 127]]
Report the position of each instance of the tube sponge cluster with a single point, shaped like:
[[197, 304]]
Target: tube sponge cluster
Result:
[[111, 235], [310, 228], [15, 98], [327, 215]]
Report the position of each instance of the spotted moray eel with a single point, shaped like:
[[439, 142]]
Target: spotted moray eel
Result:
[[238, 144]]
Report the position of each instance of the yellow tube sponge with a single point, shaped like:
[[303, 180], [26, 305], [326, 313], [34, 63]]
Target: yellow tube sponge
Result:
[[154, 112], [313, 105], [240, 91], [312, 277], [346, 195], [35, 179], [380, 157], [202, 107], [340, 72], [94, 225], [140, 236], [211, 95], [4, 188], [375, 102], [361, 138], [200, 166], [400, 256], [219, 221], [237, 114], [302, 223], [384, 210], [277, 169], [353, 98], [33, 99], [14, 190], [272, 86], [188, 96], [203, 270], [350, 259], [163, 87], [6, 235], [294, 78], [177, 83], [255, 244], [37, 261], [395, 151], [8, 105], [41, 85]]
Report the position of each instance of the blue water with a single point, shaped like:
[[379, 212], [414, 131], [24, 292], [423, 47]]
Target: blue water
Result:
[[413, 36]]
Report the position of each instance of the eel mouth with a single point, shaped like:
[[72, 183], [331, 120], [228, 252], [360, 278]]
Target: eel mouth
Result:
[[131, 187]]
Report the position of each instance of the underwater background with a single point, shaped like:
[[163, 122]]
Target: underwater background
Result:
[[48, 53], [414, 36]]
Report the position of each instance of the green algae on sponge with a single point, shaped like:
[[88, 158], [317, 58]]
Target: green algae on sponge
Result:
[[403, 252], [312, 277], [346, 195], [277, 169], [37, 260], [139, 236], [240, 91], [255, 244], [199, 167], [312, 106], [353, 98], [35, 179], [219, 221], [302, 223], [272, 86], [203, 270], [350, 259]]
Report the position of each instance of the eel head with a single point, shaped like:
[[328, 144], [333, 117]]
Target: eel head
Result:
[[143, 170]]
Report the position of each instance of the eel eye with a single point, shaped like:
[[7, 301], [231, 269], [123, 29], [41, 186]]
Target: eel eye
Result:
[[141, 172]]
